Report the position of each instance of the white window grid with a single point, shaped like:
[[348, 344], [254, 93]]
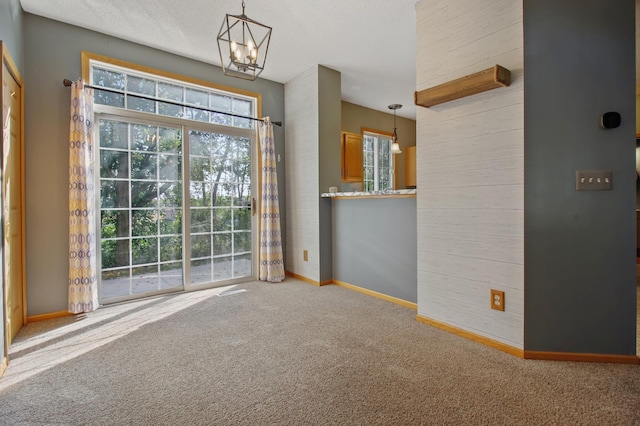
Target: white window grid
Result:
[[219, 102], [375, 165], [214, 119]]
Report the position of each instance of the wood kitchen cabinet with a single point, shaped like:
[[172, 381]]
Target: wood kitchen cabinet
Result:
[[410, 167], [351, 157]]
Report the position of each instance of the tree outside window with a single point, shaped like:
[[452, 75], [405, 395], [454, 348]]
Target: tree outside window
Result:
[[377, 162]]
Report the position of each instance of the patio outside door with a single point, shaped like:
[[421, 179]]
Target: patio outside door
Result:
[[151, 174], [140, 208], [221, 205]]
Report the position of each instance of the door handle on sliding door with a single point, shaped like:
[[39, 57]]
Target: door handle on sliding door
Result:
[[252, 205]]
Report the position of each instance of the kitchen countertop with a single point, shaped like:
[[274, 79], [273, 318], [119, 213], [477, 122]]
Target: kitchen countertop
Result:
[[396, 193]]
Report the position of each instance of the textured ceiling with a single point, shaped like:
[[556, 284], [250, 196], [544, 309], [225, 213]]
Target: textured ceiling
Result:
[[371, 42]]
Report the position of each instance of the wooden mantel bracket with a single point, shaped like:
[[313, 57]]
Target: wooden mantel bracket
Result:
[[488, 79]]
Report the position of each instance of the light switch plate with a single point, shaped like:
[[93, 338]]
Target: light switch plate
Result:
[[594, 180]]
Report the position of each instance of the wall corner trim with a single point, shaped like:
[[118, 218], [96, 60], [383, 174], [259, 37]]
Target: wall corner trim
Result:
[[582, 357], [366, 291], [52, 315], [472, 336], [308, 280], [377, 295]]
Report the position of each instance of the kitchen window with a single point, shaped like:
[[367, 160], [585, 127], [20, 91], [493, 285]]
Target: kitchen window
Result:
[[378, 162]]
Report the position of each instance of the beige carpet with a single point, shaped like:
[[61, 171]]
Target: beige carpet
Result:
[[295, 354]]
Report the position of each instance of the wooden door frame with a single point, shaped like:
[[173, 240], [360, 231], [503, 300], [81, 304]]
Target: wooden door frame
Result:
[[10, 65]]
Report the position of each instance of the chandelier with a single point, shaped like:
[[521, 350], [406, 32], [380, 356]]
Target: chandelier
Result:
[[243, 45]]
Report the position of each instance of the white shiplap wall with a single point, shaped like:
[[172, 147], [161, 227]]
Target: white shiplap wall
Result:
[[470, 169], [301, 178]]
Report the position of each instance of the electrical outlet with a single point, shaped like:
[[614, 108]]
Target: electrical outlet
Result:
[[497, 300], [305, 255]]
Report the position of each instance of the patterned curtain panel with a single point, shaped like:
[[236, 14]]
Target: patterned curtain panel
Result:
[[83, 287], [271, 260]]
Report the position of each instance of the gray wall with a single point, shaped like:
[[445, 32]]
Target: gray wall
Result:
[[52, 53], [580, 274], [329, 111], [375, 244], [329, 152], [11, 18], [355, 117]]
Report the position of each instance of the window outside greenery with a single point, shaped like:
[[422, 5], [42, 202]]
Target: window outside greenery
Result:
[[377, 162], [141, 185], [220, 200], [131, 85], [140, 206]]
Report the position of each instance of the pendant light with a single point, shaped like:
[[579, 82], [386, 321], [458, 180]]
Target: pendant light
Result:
[[395, 148], [243, 45]]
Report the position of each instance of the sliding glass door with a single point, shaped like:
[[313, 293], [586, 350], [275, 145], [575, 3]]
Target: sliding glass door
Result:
[[151, 173], [140, 208], [220, 207]]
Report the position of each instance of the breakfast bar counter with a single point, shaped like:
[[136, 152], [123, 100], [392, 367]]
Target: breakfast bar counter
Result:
[[395, 193], [374, 243]]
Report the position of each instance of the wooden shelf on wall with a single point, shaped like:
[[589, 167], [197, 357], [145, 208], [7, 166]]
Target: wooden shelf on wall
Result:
[[488, 79]]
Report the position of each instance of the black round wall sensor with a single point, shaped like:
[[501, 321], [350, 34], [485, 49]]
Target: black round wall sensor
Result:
[[610, 120]]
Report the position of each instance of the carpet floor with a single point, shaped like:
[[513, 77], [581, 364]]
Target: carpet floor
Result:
[[295, 354]]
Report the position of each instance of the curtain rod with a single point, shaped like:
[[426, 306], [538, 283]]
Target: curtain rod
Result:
[[68, 83]]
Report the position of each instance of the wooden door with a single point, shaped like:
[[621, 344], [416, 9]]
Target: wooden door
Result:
[[12, 198]]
